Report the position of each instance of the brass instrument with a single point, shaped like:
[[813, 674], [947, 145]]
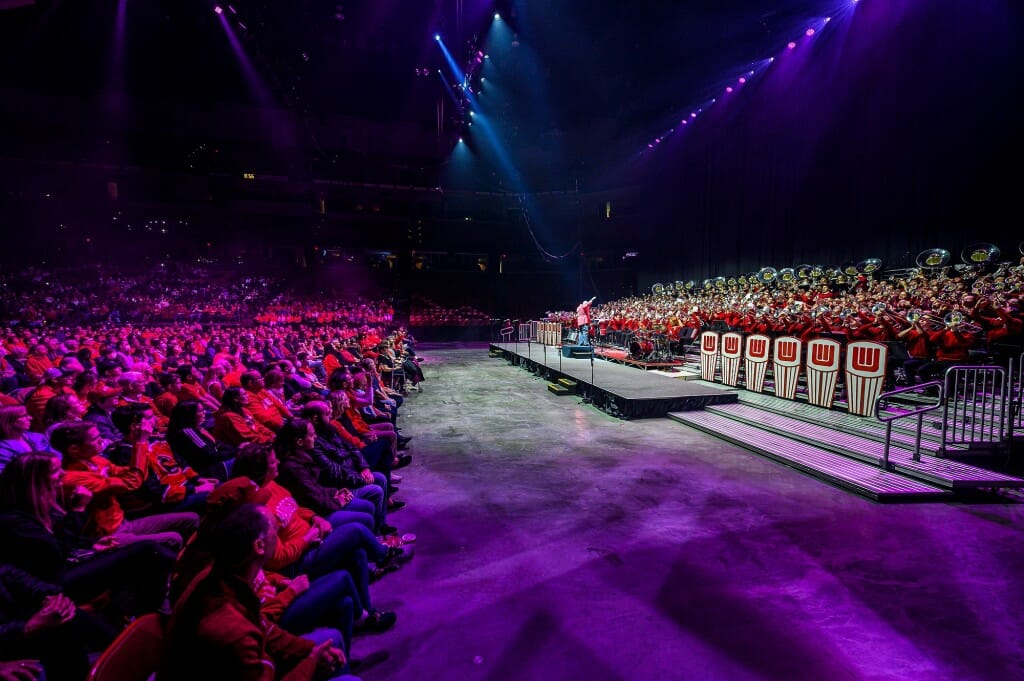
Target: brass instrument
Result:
[[690, 283], [720, 283], [767, 275], [850, 269], [796, 307], [804, 271], [817, 271], [731, 281], [869, 265], [956, 318], [680, 287], [832, 272], [709, 284], [742, 279], [787, 275], [980, 254], [658, 289], [933, 258], [879, 308]]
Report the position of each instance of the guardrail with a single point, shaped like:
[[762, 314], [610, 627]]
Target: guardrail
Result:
[[968, 388], [1015, 414], [918, 412]]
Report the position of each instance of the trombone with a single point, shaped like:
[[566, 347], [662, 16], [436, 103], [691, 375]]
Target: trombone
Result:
[[956, 318]]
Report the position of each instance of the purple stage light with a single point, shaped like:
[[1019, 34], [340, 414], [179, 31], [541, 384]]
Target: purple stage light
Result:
[[791, 45], [809, 32], [828, 19], [217, 9], [742, 80], [684, 121], [693, 114], [650, 146], [728, 89]]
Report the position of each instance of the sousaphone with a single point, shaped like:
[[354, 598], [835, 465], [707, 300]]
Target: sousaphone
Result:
[[980, 254], [933, 258]]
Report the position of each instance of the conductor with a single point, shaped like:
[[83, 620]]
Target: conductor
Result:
[[583, 321]]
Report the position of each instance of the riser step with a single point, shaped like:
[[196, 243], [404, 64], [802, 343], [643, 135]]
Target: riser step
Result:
[[568, 383], [870, 481], [559, 389], [942, 472]]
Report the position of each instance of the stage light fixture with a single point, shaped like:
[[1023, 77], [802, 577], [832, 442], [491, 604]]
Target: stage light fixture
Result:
[[497, 17], [742, 80], [791, 45], [728, 89], [217, 9], [809, 32], [437, 37], [460, 140]]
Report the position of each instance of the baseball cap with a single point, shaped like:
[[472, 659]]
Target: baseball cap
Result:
[[234, 493]]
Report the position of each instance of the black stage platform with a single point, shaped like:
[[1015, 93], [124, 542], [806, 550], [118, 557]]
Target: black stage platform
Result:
[[622, 391]]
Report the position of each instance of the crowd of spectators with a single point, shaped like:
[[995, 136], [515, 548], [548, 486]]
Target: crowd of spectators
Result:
[[426, 312], [249, 467], [174, 293], [931, 319]]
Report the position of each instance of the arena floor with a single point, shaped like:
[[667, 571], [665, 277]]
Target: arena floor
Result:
[[556, 542]]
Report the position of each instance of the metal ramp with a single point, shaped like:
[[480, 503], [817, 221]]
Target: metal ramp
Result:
[[945, 473], [865, 479]]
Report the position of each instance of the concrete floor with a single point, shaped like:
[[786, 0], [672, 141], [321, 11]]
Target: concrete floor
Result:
[[556, 542]]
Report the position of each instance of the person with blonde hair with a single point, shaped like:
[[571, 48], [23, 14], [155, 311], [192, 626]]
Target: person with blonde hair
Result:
[[15, 436]]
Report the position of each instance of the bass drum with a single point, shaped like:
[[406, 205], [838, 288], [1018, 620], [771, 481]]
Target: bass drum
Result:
[[640, 348]]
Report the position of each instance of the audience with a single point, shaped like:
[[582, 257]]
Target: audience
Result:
[[139, 414]]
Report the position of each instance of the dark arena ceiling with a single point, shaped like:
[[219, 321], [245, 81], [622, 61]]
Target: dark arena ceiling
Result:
[[888, 112]]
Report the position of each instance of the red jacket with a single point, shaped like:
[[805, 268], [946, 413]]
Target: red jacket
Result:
[[217, 632]]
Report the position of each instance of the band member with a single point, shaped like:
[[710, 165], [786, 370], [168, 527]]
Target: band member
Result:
[[583, 320]]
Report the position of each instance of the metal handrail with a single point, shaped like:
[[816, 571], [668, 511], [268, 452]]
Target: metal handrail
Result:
[[919, 413], [955, 413]]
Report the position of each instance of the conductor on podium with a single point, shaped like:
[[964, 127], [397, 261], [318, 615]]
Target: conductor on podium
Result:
[[583, 321]]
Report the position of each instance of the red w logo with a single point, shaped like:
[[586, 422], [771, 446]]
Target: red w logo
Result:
[[866, 359], [786, 351], [710, 342], [732, 345], [823, 355], [757, 348]]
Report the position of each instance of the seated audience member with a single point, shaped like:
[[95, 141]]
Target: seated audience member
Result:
[[66, 407], [265, 407], [102, 400], [40, 622], [218, 619], [194, 445], [298, 605], [133, 386], [45, 539], [15, 436], [234, 423], [54, 382], [315, 546], [170, 485], [84, 467], [322, 484]]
